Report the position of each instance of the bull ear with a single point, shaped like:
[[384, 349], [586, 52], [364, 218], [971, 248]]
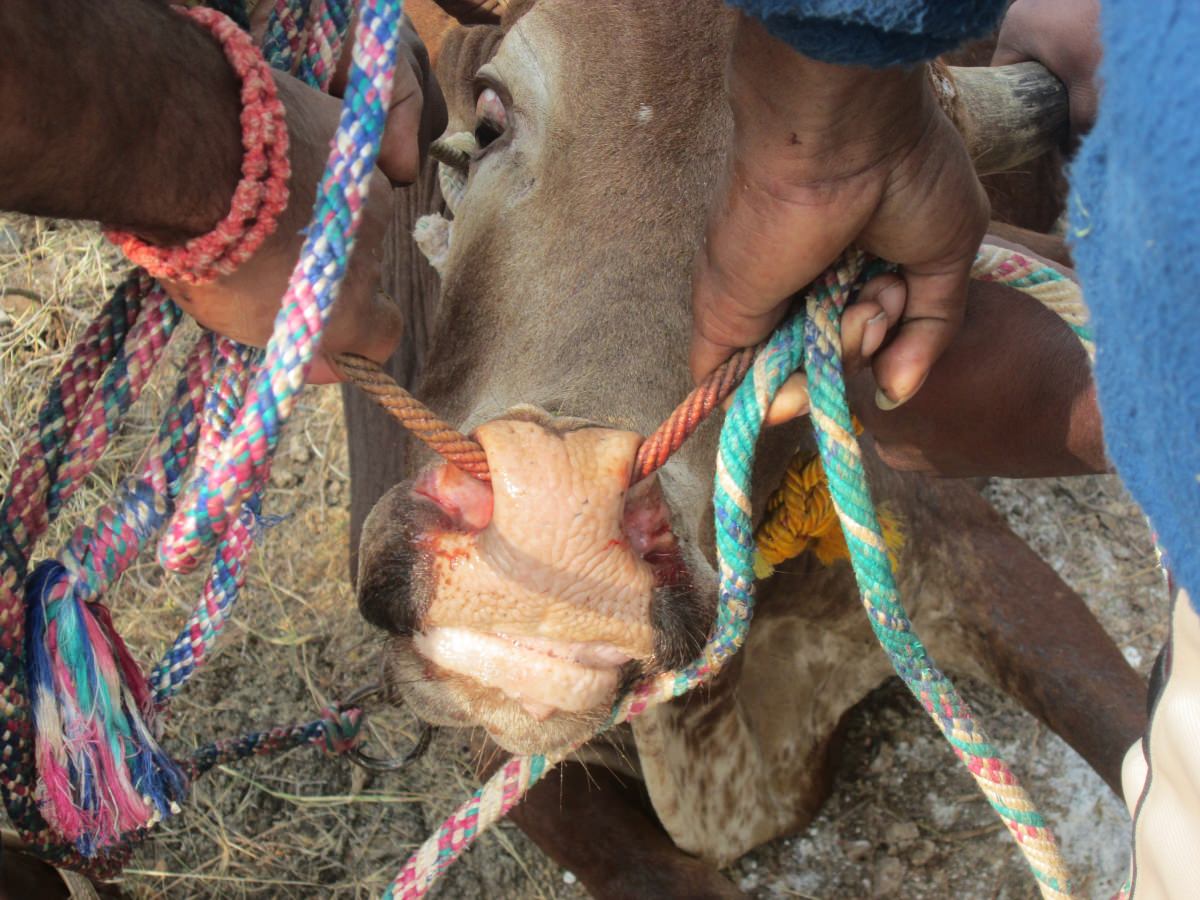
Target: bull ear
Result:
[[1008, 115]]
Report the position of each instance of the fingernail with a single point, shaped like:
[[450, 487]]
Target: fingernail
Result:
[[884, 402], [873, 333], [892, 298]]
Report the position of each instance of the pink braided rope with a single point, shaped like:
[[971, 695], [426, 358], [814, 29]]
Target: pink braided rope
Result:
[[262, 192], [146, 343], [207, 511], [29, 484], [323, 46]]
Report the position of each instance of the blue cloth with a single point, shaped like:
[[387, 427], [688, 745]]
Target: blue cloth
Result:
[[1135, 223], [1135, 220], [874, 33]]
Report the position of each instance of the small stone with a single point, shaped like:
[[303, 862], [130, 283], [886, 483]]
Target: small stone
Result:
[[283, 477], [883, 760], [17, 303], [298, 450], [899, 833], [923, 853], [1133, 656], [889, 876], [335, 492], [10, 241], [858, 851], [569, 878]]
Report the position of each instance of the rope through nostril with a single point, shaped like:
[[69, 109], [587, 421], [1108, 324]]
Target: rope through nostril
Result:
[[459, 450], [437, 434], [688, 415]]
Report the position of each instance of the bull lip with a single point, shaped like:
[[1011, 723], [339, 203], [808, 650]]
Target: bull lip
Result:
[[543, 675]]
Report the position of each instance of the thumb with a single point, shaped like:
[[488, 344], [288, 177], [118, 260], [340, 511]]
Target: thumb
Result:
[[932, 317]]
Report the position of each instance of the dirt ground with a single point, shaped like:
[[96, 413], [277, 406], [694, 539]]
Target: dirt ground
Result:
[[905, 820]]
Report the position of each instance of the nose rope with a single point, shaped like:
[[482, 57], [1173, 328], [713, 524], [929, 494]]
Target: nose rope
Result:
[[459, 450]]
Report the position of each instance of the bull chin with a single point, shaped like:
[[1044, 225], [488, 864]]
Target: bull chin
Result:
[[449, 697], [445, 698]]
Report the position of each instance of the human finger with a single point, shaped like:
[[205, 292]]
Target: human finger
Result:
[[790, 402], [868, 321], [399, 148], [932, 317]]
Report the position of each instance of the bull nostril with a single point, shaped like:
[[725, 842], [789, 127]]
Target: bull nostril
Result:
[[466, 501], [645, 519]]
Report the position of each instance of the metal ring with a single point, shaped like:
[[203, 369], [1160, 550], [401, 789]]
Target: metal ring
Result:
[[372, 764], [365, 692]]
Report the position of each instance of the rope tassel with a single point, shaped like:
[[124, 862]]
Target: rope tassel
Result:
[[103, 774]]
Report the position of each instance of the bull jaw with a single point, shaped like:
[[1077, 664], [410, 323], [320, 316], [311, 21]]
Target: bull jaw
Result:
[[542, 675]]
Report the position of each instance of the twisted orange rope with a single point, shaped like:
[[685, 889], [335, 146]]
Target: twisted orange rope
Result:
[[414, 415], [459, 450]]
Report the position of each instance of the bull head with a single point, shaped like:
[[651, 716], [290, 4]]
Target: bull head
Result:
[[560, 337]]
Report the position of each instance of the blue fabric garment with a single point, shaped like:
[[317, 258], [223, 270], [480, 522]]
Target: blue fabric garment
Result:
[[876, 33], [1135, 222], [1135, 218]]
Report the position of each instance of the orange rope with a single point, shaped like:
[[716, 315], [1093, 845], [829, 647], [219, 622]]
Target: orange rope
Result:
[[455, 447], [459, 450]]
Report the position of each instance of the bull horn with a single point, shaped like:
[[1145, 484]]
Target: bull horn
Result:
[[1008, 115]]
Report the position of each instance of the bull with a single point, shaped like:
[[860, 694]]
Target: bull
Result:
[[557, 335]]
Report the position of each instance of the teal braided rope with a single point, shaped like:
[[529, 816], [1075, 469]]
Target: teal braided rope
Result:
[[841, 457]]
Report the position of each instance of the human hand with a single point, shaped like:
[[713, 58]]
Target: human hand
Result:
[[243, 304], [1012, 396], [1064, 36], [826, 156]]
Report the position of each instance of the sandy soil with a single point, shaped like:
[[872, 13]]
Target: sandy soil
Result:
[[904, 821]]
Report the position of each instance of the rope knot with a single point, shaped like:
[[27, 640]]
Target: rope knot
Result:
[[340, 728]]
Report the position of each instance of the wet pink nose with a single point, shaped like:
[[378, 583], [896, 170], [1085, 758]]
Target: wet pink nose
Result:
[[557, 546]]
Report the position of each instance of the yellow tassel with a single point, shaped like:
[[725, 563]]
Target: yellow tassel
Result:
[[800, 516]]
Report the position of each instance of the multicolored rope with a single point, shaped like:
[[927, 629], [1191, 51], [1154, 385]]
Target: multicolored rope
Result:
[[64, 440], [306, 39], [210, 508], [335, 732], [842, 459], [103, 778]]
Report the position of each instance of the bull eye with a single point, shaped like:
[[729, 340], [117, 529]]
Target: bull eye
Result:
[[491, 118]]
